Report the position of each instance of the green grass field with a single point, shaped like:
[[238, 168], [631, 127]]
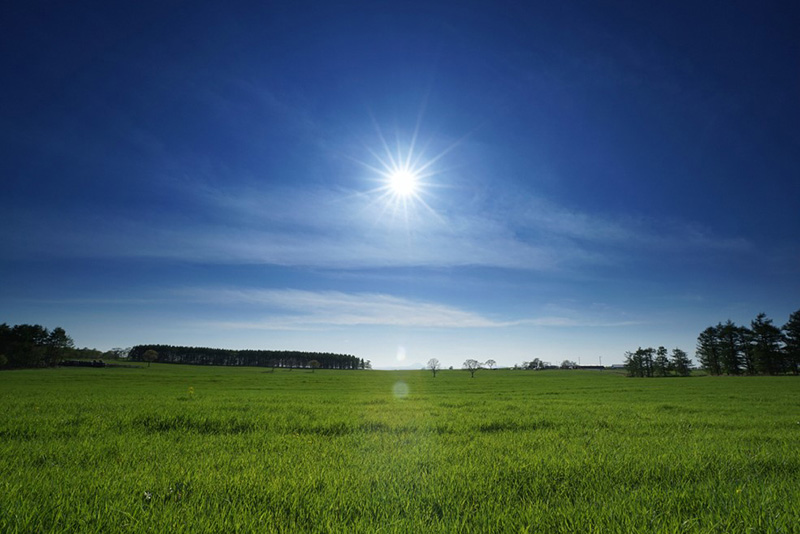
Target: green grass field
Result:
[[191, 449]]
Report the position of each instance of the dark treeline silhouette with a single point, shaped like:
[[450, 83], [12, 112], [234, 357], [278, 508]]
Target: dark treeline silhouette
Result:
[[253, 358], [32, 345], [657, 362], [763, 348]]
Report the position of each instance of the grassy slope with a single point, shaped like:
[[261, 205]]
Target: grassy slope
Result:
[[335, 451]]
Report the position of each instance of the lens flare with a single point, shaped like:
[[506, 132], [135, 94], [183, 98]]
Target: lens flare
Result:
[[400, 390]]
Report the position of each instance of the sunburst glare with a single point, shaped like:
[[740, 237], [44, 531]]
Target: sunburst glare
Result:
[[403, 182], [404, 173]]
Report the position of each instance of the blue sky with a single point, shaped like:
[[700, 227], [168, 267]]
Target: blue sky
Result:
[[591, 179]]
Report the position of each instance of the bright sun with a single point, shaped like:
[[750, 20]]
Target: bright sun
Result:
[[403, 174], [403, 182]]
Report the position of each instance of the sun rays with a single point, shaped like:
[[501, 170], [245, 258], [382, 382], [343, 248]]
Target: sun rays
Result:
[[405, 174]]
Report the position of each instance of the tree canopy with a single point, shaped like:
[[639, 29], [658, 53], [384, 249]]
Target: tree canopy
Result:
[[28, 345], [472, 365], [763, 348], [253, 358]]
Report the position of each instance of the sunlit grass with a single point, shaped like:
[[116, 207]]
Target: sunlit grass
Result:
[[192, 449]]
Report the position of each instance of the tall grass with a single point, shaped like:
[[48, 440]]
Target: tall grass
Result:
[[197, 449]]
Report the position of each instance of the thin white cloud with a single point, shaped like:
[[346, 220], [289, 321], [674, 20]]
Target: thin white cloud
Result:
[[326, 228], [293, 308], [300, 309]]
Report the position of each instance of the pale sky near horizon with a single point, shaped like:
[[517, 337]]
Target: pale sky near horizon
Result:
[[588, 179]]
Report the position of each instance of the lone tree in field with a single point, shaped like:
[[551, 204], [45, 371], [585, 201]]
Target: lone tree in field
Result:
[[149, 356], [434, 365], [490, 364], [314, 364], [472, 366]]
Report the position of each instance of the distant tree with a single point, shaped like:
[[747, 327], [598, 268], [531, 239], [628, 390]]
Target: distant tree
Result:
[[680, 362], [568, 364], [434, 365], [534, 365], [640, 363], [791, 340], [3, 360], [647, 360], [490, 364], [472, 366], [729, 344], [6, 339], [633, 363], [26, 345], [314, 364], [117, 353], [707, 351], [260, 358], [661, 362], [747, 350], [58, 345], [767, 345], [150, 356]]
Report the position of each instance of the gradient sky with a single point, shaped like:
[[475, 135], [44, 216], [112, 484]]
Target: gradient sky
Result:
[[596, 178]]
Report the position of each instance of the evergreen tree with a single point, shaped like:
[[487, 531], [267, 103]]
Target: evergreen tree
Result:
[[647, 360], [59, 345], [27, 345], [681, 363], [631, 364], [636, 363], [767, 351], [791, 339], [707, 351], [730, 348], [748, 354], [661, 363]]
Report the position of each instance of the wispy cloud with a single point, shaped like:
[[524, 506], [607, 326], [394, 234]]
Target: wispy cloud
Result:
[[345, 229], [287, 308], [300, 309]]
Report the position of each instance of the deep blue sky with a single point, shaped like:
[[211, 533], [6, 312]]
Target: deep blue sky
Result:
[[596, 177]]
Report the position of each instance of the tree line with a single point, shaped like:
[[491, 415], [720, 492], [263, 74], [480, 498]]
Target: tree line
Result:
[[657, 362], [763, 348], [252, 358], [32, 345]]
